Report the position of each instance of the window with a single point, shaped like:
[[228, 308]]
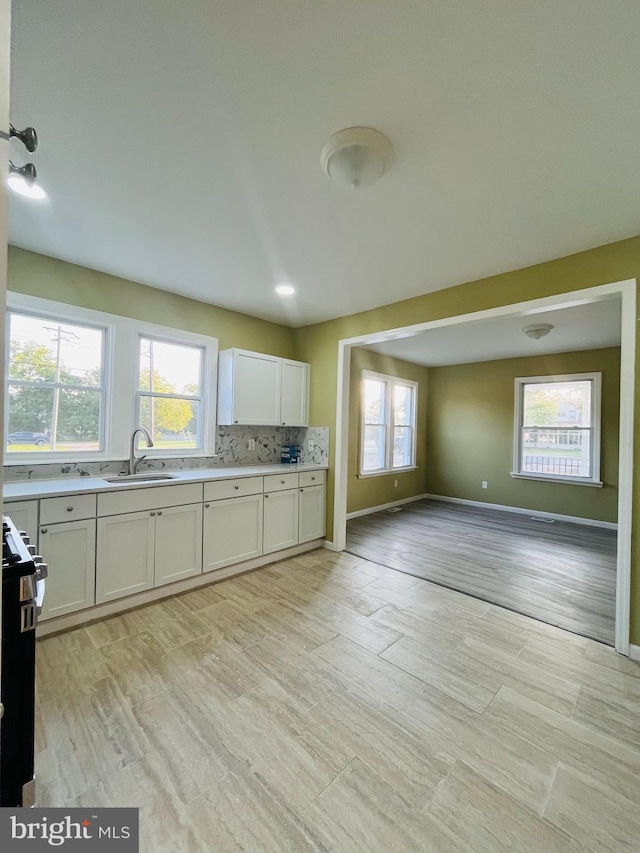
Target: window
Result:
[[79, 381], [557, 428], [170, 393], [55, 386], [388, 416]]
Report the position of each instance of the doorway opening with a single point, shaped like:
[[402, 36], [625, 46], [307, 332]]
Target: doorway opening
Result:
[[514, 557]]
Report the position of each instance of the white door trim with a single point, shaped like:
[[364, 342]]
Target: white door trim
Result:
[[627, 291]]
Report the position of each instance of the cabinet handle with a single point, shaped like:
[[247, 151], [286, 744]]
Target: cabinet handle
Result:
[[160, 513], [152, 513], [235, 422], [282, 481], [313, 478], [44, 530], [207, 506], [236, 487], [302, 490], [266, 496], [69, 509], [283, 423]]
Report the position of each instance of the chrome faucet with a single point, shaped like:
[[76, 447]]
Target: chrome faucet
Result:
[[133, 461]]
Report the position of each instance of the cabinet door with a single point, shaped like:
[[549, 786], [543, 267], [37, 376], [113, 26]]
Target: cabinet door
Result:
[[280, 520], [256, 389], [125, 555], [24, 515], [178, 546], [69, 551], [295, 406], [311, 513], [232, 531]]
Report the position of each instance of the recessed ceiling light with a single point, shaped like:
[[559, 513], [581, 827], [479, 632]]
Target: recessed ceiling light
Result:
[[285, 290]]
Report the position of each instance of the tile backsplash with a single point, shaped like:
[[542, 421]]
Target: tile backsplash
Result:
[[232, 448]]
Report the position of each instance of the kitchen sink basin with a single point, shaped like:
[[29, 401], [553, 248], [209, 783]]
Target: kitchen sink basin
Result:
[[139, 478]]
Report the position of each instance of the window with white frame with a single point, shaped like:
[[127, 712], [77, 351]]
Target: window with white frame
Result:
[[170, 393], [388, 424], [557, 428], [78, 382], [56, 385]]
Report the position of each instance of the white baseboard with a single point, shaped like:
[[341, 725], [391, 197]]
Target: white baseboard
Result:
[[573, 519], [634, 652], [330, 546], [100, 611], [372, 509]]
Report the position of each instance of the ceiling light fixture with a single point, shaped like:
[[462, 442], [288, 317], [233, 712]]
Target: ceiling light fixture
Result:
[[356, 157], [537, 331], [285, 290], [22, 180]]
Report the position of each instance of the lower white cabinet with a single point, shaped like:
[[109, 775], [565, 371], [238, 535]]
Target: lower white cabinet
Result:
[[24, 515], [140, 550], [178, 543], [125, 555], [232, 531], [280, 520], [71, 557], [311, 514]]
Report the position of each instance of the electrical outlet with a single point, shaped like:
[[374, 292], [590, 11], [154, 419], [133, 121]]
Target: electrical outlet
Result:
[[395, 484], [485, 485], [312, 446], [251, 444]]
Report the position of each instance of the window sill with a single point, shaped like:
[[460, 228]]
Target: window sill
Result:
[[549, 478], [387, 472]]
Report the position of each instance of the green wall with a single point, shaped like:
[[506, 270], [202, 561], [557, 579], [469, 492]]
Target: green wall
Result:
[[39, 275], [366, 492], [470, 434], [318, 344]]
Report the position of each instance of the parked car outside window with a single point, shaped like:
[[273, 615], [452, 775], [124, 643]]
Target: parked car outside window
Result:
[[37, 438]]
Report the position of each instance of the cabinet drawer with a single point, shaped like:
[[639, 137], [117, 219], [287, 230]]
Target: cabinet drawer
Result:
[[312, 478], [237, 488], [279, 482], [72, 508], [156, 497]]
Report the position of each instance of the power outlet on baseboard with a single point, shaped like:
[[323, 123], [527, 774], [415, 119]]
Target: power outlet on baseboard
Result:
[[395, 484], [485, 485]]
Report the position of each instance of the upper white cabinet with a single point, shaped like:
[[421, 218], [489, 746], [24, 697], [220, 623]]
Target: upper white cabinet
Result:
[[262, 390]]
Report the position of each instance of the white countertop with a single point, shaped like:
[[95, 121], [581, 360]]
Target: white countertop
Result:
[[28, 489]]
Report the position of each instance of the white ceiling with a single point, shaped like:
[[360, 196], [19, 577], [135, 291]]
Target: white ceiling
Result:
[[180, 141], [580, 327]]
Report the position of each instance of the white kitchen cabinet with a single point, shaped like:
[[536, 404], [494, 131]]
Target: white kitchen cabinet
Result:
[[294, 410], [178, 543], [125, 555], [248, 388], [24, 515], [70, 550], [280, 520], [262, 390], [311, 514], [141, 550], [232, 531]]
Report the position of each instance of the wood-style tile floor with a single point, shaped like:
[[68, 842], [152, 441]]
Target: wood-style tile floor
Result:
[[562, 573], [329, 704]]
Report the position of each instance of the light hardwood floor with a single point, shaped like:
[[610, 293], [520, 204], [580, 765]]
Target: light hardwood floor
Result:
[[564, 574], [329, 704]]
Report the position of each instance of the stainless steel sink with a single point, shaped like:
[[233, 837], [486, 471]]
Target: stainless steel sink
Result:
[[139, 478]]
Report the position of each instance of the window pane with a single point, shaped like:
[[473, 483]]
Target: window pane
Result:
[[172, 423], [403, 405], [50, 351], [556, 432], [30, 413], [402, 447], [170, 368], [374, 403], [78, 420], [373, 452]]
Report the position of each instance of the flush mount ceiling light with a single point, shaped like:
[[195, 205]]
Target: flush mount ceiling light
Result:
[[537, 331], [356, 157], [285, 290], [22, 180]]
